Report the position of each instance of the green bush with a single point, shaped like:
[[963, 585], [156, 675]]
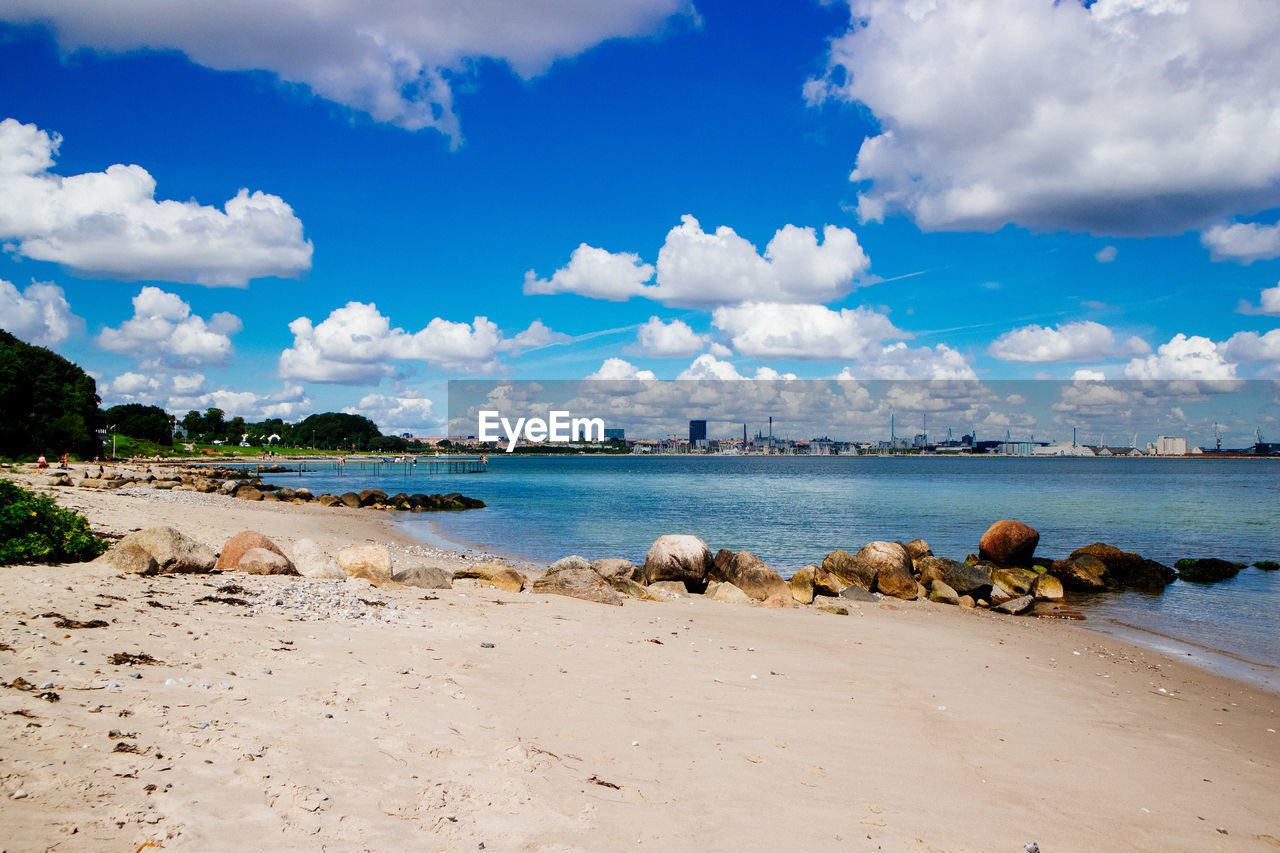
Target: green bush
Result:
[[34, 529]]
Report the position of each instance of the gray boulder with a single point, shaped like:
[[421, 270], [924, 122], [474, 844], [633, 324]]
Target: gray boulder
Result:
[[614, 568], [893, 568], [1015, 606], [678, 557], [312, 562], [963, 578], [163, 550], [850, 571], [748, 573], [426, 577], [578, 582], [573, 561], [260, 561]]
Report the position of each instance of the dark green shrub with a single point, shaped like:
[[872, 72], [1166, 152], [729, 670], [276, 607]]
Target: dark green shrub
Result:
[[34, 529]]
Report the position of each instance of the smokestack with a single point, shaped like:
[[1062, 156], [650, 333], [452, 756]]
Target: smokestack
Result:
[[771, 432]]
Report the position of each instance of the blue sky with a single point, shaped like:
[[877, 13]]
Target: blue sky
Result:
[[1041, 190]]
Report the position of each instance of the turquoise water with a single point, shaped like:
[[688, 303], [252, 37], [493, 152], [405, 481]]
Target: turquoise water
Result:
[[792, 511]]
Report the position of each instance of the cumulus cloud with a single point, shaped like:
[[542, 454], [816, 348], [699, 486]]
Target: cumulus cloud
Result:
[[1243, 242], [164, 333], [616, 368], [39, 315], [1084, 374], [356, 345], [1183, 357], [1269, 303], [181, 392], [676, 339], [707, 366], [701, 269], [899, 361], [803, 332], [1253, 348], [1106, 254], [109, 224], [397, 413], [1079, 341], [1112, 117], [596, 273], [394, 61]]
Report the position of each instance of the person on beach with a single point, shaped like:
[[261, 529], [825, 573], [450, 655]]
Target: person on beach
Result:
[[62, 463], [42, 462]]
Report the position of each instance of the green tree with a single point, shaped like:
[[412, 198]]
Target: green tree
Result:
[[337, 431], [138, 421], [49, 405]]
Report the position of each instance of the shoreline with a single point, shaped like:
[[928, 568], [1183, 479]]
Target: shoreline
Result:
[[336, 714]]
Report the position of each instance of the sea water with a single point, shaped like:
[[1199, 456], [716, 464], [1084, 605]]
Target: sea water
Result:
[[792, 511]]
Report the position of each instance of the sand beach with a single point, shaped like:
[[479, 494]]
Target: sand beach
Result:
[[335, 715]]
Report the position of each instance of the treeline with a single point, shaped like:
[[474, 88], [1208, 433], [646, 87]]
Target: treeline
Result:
[[50, 406]]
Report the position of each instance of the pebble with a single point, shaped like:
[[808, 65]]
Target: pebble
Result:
[[19, 794], [203, 726], [404, 670], [113, 686], [135, 675], [486, 645], [48, 685]]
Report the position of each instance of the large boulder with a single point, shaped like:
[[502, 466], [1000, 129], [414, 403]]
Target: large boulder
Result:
[[893, 568], [748, 573], [849, 570], [1127, 568], [1015, 606], [1046, 587], [857, 593], [918, 548], [327, 500], [371, 497], [425, 577], [1015, 581], [312, 562], [728, 593], [630, 588], [614, 568], [350, 500], [237, 545], [678, 557], [573, 561], [260, 561], [244, 493], [578, 582], [943, 594], [497, 575], [1207, 570], [370, 562], [160, 550], [962, 577], [1083, 574], [812, 581], [1009, 543], [666, 590]]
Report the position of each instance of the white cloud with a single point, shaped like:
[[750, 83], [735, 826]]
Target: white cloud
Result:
[[178, 393], [1269, 303], [395, 414], [1084, 374], [356, 345], [676, 339], [1253, 348], [1106, 254], [1116, 117], [109, 224], [1243, 242], [707, 366], [596, 273], [899, 361], [39, 315], [1183, 357], [394, 61], [616, 368], [164, 332], [700, 269], [803, 332], [1079, 341]]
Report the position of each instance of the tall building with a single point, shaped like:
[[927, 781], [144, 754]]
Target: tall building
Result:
[[615, 434], [697, 432]]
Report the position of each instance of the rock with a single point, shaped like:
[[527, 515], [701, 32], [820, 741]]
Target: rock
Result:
[[613, 568], [329, 500], [578, 582], [630, 588], [943, 594], [498, 575], [260, 561], [1267, 565], [1207, 570], [244, 493], [668, 589], [778, 601], [425, 577], [837, 609], [748, 573], [1046, 588], [1014, 581], [962, 577], [270, 497], [369, 562], [1009, 543], [1083, 574], [228, 487], [966, 601], [857, 593], [801, 585], [918, 548], [728, 593], [1128, 569], [678, 557], [312, 562], [571, 562], [1055, 610], [893, 568], [1150, 575], [167, 550], [1015, 606], [849, 571], [302, 494], [350, 500], [237, 545], [370, 497], [285, 493]]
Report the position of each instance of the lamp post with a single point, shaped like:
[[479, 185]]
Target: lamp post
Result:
[[112, 427]]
